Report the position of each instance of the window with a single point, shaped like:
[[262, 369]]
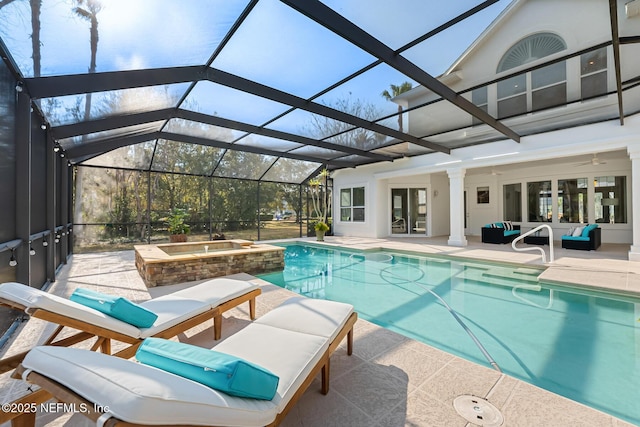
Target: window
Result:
[[512, 96], [480, 99], [539, 201], [572, 200], [549, 86], [610, 199], [512, 202], [352, 204], [531, 48], [593, 71]]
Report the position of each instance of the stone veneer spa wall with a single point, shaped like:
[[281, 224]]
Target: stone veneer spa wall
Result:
[[168, 264]]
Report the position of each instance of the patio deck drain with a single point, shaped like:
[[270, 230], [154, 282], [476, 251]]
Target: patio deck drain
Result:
[[478, 411]]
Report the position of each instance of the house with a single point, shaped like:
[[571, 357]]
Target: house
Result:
[[546, 69]]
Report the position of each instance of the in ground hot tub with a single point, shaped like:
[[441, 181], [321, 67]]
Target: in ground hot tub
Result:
[[171, 263]]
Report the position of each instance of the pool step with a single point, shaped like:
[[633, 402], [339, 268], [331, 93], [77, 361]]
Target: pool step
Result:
[[501, 278]]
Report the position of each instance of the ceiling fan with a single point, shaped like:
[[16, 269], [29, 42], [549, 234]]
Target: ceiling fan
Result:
[[494, 172], [595, 161]]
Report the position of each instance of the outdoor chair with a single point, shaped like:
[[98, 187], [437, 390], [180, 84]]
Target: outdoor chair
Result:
[[294, 342], [589, 238], [399, 225]]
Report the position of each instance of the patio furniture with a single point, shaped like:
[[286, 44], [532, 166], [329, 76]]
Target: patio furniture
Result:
[[536, 240], [177, 312], [294, 342], [499, 232], [589, 238], [399, 225]]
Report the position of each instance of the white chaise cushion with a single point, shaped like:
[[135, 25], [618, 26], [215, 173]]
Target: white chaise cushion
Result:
[[184, 304], [216, 291], [141, 394], [33, 299], [288, 354], [321, 317], [172, 309]]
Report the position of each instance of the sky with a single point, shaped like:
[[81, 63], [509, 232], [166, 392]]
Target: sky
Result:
[[276, 45]]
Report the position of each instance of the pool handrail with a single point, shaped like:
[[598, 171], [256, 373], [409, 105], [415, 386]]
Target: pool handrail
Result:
[[538, 248]]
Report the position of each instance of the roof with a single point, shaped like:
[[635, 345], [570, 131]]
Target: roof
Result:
[[294, 85]]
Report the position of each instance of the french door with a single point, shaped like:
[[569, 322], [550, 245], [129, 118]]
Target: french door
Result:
[[408, 211]]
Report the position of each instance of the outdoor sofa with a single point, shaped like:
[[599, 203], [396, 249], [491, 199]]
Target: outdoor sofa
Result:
[[500, 232], [587, 238], [293, 341]]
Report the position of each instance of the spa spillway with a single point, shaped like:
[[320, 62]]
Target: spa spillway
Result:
[[171, 263]]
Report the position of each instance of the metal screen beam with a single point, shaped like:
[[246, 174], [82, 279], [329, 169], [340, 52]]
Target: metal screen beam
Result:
[[338, 24], [249, 149], [245, 85], [79, 84], [232, 124], [82, 152], [110, 123], [108, 144], [615, 38]]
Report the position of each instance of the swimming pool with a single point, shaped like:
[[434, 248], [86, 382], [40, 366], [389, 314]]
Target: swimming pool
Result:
[[579, 344]]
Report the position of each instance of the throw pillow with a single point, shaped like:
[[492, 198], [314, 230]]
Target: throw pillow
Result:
[[116, 307], [577, 231], [219, 371]]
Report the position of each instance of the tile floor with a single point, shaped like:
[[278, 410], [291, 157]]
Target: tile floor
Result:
[[390, 380]]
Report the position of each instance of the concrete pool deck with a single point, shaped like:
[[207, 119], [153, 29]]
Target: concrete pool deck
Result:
[[390, 380]]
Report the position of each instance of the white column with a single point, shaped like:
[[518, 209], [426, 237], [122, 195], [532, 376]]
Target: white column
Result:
[[456, 207], [634, 154]]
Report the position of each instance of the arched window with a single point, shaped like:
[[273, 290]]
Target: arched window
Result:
[[531, 48], [536, 90]]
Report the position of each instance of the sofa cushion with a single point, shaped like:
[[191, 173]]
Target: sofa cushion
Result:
[[587, 229], [511, 232], [576, 238]]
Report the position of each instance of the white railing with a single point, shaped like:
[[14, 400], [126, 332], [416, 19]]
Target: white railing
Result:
[[536, 248]]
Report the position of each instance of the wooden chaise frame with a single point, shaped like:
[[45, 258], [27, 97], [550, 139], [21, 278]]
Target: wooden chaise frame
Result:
[[103, 341], [64, 394]]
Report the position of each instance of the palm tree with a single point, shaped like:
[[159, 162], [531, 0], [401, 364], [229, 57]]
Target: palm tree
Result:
[[36, 6], [90, 13], [395, 91], [87, 9]]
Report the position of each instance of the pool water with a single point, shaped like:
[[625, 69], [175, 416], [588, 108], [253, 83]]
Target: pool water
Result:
[[582, 345]]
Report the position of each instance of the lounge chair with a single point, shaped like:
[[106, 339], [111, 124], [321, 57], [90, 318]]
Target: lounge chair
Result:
[[294, 341], [177, 312]]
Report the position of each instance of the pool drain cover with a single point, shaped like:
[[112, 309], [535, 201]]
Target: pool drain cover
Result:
[[478, 411]]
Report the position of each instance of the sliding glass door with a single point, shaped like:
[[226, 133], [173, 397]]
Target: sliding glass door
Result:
[[408, 211]]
